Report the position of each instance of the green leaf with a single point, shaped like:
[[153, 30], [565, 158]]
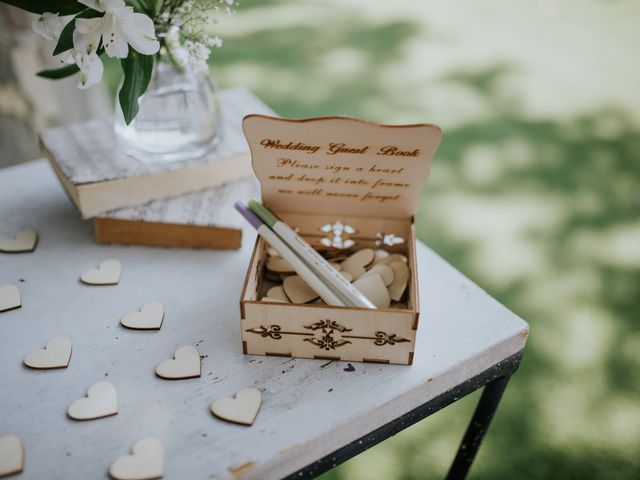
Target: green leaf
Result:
[[57, 73], [137, 70], [65, 42], [63, 7], [143, 6]]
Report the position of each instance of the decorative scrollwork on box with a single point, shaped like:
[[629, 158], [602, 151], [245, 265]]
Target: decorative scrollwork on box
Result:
[[329, 325], [327, 342], [382, 338], [328, 328], [274, 331], [328, 334]]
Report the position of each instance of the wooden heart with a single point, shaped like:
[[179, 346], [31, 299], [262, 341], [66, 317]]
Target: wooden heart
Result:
[[101, 401], [394, 257], [277, 292], [298, 290], [401, 277], [379, 254], [185, 364], [373, 287], [9, 297], [243, 408], [25, 241], [11, 455], [56, 354], [108, 273], [146, 461], [385, 271], [279, 265], [274, 300], [149, 317], [356, 264]]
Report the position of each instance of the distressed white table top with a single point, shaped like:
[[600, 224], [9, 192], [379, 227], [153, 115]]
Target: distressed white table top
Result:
[[308, 411]]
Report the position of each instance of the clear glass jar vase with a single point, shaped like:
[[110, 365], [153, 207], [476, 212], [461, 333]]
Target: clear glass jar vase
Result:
[[178, 118]]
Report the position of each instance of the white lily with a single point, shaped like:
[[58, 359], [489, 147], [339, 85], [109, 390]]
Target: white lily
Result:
[[91, 69], [49, 25], [118, 28]]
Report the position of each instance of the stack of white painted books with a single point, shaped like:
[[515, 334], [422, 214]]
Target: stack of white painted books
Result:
[[180, 204]]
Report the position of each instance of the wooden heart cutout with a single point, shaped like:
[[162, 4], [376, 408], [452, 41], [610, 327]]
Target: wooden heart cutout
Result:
[[279, 265], [356, 264], [277, 292], [373, 287], [298, 290], [149, 317], [401, 277], [11, 455], [146, 461], [56, 354], [394, 257], [185, 364], [379, 254], [101, 401], [275, 300], [9, 297], [107, 273], [243, 408], [385, 271], [24, 241]]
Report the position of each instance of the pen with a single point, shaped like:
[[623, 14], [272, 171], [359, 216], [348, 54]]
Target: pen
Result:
[[340, 285], [301, 268]]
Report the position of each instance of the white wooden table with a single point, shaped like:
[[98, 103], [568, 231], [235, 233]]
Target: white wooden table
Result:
[[314, 413]]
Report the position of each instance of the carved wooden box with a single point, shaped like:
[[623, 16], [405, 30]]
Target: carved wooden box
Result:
[[318, 172]]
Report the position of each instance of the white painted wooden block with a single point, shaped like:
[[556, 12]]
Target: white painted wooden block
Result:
[[99, 177], [202, 219]]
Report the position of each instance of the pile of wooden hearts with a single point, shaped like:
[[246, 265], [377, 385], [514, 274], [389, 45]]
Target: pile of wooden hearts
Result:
[[381, 276]]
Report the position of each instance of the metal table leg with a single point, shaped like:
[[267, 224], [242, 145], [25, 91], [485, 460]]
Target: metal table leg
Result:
[[477, 428], [493, 379]]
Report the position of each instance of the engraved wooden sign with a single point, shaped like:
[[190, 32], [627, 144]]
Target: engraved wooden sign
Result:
[[325, 173], [340, 165]]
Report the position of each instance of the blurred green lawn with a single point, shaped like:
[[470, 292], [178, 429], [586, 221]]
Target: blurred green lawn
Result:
[[534, 194]]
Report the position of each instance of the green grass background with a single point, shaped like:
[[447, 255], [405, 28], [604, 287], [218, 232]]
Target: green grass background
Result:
[[534, 194]]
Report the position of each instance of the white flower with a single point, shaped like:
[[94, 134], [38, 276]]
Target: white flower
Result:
[[197, 55], [91, 69], [65, 58], [212, 41], [49, 25], [118, 28]]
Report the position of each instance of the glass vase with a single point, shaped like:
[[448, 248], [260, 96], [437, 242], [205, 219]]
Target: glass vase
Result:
[[178, 118]]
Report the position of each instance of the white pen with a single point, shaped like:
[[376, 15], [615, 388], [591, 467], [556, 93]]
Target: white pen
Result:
[[340, 285], [301, 268]]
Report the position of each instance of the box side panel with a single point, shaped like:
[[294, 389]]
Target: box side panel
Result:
[[310, 331], [254, 273]]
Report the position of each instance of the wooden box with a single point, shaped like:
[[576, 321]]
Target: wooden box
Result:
[[319, 171]]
